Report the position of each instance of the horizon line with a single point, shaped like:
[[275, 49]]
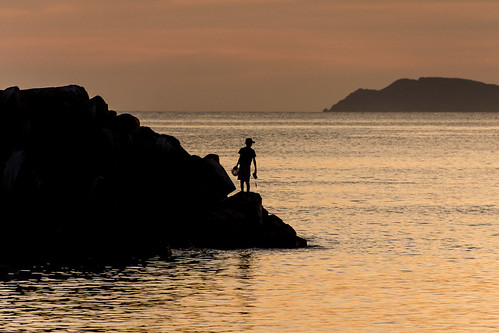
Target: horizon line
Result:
[[233, 111]]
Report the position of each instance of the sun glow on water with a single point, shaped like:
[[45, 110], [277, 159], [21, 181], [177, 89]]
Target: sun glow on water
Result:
[[400, 211]]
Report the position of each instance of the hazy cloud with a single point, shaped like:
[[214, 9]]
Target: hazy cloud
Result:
[[255, 54]]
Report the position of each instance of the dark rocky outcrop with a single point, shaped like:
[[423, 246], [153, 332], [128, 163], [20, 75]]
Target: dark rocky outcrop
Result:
[[79, 180], [241, 222], [431, 94]]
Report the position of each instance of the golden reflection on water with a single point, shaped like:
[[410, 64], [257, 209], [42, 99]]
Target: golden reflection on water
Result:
[[401, 212], [265, 291]]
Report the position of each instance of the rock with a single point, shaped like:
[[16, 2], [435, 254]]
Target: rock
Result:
[[80, 181], [281, 235], [241, 222], [431, 94], [216, 183], [12, 169]]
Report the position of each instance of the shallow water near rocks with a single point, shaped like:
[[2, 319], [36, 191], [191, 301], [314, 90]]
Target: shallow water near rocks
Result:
[[400, 211]]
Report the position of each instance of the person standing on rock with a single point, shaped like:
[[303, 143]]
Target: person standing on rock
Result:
[[246, 156]]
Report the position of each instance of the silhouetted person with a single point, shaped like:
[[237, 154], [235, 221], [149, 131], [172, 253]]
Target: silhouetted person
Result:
[[246, 156]]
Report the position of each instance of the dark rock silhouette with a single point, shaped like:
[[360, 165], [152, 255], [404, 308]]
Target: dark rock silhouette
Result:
[[80, 181], [430, 94], [240, 222]]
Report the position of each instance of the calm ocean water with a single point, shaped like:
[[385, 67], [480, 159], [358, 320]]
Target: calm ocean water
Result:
[[400, 210]]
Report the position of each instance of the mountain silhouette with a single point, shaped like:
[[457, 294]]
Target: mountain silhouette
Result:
[[428, 94]]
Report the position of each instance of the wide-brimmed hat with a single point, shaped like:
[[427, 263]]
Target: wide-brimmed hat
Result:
[[249, 140]]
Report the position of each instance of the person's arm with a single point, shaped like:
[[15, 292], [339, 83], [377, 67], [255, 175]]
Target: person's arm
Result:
[[239, 159]]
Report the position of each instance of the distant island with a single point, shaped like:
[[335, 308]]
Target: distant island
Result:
[[427, 94]]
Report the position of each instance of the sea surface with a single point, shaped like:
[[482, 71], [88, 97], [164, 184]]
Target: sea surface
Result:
[[400, 210]]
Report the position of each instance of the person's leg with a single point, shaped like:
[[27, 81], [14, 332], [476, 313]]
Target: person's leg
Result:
[[242, 185], [248, 185]]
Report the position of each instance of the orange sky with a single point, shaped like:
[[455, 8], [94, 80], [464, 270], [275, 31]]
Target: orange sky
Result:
[[261, 55]]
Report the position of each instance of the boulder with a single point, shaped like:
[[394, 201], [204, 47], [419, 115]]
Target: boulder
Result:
[[241, 221]]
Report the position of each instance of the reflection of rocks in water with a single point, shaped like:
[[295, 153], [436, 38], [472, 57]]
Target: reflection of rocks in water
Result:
[[78, 180]]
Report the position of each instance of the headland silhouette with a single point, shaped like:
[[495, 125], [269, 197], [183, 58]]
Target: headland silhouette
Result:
[[427, 94]]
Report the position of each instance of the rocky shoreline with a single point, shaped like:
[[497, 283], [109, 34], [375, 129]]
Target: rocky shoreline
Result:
[[80, 181]]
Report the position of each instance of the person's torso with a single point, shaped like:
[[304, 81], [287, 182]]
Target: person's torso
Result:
[[247, 155]]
